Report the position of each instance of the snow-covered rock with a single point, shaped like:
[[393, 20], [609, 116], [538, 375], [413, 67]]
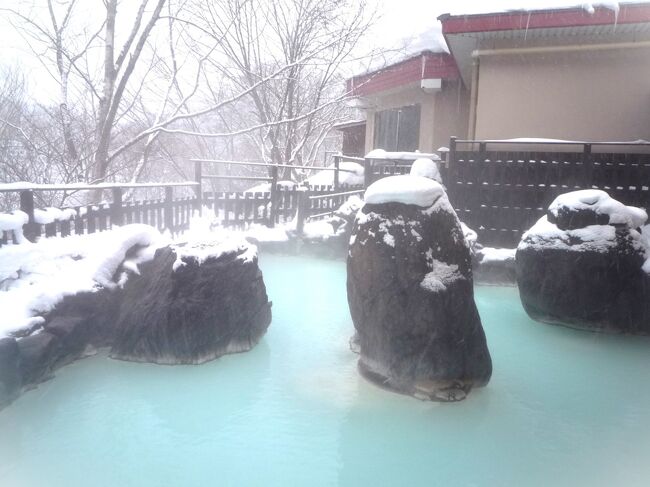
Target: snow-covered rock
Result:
[[193, 303], [130, 290], [587, 270], [410, 293]]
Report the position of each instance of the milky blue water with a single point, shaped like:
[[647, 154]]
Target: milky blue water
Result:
[[564, 408]]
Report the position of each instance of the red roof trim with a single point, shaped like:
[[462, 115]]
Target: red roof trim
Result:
[[427, 65], [540, 19]]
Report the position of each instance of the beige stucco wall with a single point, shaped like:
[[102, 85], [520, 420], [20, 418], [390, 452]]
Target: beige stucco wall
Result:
[[442, 114], [591, 95]]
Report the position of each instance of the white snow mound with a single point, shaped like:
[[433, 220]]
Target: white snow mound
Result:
[[407, 189], [35, 277], [426, 168], [601, 203]]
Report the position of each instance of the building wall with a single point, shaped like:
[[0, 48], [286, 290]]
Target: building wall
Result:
[[442, 114], [452, 113], [588, 95]]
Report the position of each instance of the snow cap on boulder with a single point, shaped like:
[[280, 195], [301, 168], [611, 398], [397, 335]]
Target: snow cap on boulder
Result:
[[578, 209], [406, 189]]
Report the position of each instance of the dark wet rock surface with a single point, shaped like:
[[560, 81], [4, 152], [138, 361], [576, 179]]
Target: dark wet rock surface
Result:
[[575, 269], [410, 293]]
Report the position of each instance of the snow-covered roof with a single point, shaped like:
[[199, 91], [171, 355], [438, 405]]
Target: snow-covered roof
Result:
[[557, 21], [468, 22]]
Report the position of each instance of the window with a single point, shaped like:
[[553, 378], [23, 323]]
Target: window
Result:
[[398, 129]]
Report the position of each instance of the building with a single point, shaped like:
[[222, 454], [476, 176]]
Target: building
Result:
[[571, 74]]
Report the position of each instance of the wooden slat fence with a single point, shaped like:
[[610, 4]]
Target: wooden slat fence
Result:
[[240, 210], [166, 214], [500, 189]]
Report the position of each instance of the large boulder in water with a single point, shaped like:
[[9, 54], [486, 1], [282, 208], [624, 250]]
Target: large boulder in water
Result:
[[584, 265], [410, 293], [191, 304]]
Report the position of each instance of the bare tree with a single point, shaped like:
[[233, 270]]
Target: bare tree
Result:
[[244, 77], [296, 108]]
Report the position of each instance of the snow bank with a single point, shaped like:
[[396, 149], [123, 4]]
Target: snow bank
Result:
[[488, 255], [426, 168], [407, 189], [35, 277], [601, 203], [203, 228], [326, 178], [319, 229]]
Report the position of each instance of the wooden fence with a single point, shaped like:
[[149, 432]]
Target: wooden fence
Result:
[[238, 210], [279, 204], [501, 188], [168, 213]]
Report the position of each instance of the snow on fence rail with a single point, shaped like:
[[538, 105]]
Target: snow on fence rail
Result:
[[168, 213], [501, 188]]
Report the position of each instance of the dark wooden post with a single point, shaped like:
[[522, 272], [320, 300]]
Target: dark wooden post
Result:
[[198, 177], [169, 208], [274, 197], [301, 212], [367, 172], [30, 229], [587, 165], [117, 214], [451, 157], [337, 167]]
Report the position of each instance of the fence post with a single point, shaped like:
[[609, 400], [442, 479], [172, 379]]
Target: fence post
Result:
[[169, 208], [198, 177], [117, 215], [27, 205], [337, 167], [301, 212], [367, 172], [587, 164], [274, 196], [451, 156]]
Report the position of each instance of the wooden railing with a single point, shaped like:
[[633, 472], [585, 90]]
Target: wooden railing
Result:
[[501, 188], [278, 205], [168, 213]]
